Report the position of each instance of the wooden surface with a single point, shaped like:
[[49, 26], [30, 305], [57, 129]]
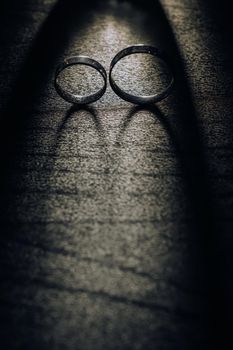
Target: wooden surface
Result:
[[116, 220]]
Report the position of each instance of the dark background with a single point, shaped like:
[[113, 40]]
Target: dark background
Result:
[[116, 220]]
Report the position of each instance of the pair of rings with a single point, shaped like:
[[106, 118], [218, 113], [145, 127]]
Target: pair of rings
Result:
[[84, 60]]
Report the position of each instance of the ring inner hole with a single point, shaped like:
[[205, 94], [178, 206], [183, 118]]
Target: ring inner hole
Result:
[[80, 80], [141, 74]]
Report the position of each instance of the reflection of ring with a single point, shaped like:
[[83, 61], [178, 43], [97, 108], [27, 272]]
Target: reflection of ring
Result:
[[130, 97], [74, 98]]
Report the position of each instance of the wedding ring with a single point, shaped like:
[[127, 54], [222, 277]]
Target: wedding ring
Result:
[[75, 98], [140, 99]]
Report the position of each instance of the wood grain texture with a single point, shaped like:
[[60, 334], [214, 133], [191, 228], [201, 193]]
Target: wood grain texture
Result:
[[116, 220]]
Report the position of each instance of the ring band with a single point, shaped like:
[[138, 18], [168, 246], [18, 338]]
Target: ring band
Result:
[[74, 98], [133, 98]]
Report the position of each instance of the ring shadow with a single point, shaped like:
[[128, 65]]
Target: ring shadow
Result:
[[46, 48], [190, 174], [73, 110], [31, 82]]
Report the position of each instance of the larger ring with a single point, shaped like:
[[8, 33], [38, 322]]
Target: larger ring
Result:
[[74, 98], [147, 99]]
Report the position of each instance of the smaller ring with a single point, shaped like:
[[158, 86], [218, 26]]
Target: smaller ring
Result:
[[140, 99], [74, 98]]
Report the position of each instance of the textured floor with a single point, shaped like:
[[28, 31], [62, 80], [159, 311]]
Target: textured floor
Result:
[[116, 220]]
